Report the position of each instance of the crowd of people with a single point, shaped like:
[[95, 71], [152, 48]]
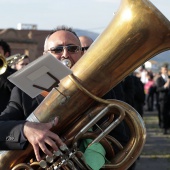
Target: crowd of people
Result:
[[157, 94], [63, 43]]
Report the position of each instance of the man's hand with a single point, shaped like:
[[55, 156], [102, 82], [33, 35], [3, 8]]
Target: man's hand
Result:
[[39, 134]]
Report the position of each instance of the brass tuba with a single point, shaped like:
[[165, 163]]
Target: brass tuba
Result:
[[137, 32]]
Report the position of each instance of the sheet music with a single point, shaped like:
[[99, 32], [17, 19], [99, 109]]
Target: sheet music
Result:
[[35, 73]]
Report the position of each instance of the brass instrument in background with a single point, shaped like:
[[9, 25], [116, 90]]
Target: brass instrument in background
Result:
[[137, 32], [3, 64], [9, 61]]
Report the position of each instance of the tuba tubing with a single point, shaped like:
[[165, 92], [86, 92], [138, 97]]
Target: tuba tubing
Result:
[[128, 41]]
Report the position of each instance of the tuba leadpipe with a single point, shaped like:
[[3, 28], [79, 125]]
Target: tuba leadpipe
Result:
[[128, 41]]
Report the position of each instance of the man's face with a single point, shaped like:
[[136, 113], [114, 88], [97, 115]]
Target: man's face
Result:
[[164, 70], [22, 63], [85, 43], [64, 38]]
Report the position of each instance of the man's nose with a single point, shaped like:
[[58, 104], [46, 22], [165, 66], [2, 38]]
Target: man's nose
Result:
[[65, 53]]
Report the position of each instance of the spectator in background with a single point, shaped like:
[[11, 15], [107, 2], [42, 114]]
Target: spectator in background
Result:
[[143, 74], [156, 76], [163, 89], [150, 90]]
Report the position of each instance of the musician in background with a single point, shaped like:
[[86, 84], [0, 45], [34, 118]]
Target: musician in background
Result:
[[23, 61], [85, 43], [5, 85]]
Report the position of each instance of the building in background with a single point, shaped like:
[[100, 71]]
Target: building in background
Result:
[[28, 40]]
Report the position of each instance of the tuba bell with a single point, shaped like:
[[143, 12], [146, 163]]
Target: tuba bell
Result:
[[137, 32]]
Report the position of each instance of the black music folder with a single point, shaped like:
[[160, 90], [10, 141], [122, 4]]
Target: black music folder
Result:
[[41, 74]]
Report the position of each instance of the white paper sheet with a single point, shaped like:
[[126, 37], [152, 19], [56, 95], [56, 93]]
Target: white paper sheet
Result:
[[35, 73]]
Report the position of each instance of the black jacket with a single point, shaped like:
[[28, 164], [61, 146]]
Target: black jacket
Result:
[[163, 93], [13, 118], [19, 108], [5, 88]]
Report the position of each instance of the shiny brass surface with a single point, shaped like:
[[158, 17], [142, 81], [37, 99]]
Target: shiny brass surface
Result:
[[137, 32], [3, 64], [9, 61]]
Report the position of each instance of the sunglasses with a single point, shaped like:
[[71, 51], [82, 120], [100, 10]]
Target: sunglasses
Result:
[[84, 48], [70, 48]]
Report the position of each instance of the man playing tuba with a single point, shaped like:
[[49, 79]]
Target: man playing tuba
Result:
[[16, 132]]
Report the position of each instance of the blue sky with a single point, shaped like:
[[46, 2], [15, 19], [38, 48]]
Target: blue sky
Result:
[[92, 15]]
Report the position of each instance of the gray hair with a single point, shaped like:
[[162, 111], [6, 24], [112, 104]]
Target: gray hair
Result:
[[59, 28]]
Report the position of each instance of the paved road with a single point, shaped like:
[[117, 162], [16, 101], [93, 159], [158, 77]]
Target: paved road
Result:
[[156, 151]]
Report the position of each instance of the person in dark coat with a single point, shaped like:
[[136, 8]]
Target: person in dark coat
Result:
[[5, 85], [163, 90], [134, 95], [134, 92]]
